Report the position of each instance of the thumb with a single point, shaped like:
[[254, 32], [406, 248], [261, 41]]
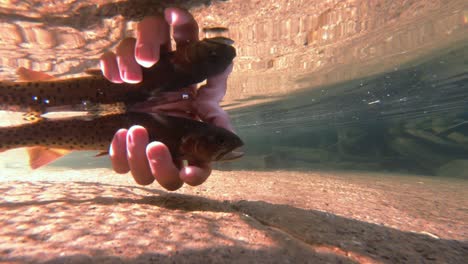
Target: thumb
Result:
[[213, 114]]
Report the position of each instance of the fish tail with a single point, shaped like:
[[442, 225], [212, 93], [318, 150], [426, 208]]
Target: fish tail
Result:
[[41, 156]]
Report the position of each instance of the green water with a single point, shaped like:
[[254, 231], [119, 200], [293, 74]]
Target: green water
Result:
[[413, 118]]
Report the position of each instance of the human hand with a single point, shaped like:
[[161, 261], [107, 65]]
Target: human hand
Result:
[[130, 149]]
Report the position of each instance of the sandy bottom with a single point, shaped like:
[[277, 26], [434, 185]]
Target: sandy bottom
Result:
[[55, 215]]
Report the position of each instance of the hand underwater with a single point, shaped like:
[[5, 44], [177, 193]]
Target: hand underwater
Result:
[[130, 149]]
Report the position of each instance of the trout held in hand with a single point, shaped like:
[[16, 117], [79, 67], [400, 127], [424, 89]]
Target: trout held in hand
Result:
[[187, 65], [186, 139]]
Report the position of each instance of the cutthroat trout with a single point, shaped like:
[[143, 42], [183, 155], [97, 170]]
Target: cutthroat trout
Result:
[[188, 65], [186, 139]]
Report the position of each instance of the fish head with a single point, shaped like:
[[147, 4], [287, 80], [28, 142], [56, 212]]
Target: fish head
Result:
[[213, 144], [212, 55]]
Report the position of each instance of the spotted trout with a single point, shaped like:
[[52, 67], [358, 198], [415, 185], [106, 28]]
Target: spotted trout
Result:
[[188, 65], [186, 139]]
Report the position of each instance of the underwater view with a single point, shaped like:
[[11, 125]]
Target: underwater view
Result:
[[345, 139]]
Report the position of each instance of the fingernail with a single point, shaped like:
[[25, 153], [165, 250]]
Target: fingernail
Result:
[[130, 138], [173, 18], [102, 65], [187, 170], [116, 138], [130, 77], [152, 156], [110, 74], [155, 159], [115, 78], [155, 153], [146, 55]]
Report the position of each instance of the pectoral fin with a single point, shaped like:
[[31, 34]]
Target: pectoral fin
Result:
[[102, 153], [41, 156], [94, 72]]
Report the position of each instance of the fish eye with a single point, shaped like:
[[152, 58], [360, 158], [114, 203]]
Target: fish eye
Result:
[[220, 140], [216, 140]]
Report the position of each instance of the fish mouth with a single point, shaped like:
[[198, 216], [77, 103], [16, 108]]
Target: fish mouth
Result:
[[230, 155]]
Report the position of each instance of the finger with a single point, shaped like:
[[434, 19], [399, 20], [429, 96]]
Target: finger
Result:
[[109, 67], [152, 35], [220, 79], [30, 75], [208, 98], [221, 119], [185, 28], [215, 88], [137, 139], [195, 175], [118, 152], [162, 166], [213, 114], [130, 70]]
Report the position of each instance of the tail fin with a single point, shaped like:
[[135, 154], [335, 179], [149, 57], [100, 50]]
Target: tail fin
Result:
[[41, 156]]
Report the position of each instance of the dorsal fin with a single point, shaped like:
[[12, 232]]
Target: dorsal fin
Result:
[[30, 75], [41, 156]]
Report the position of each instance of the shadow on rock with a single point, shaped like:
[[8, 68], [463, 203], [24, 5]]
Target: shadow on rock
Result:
[[360, 241], [299, 234], [212, 255]]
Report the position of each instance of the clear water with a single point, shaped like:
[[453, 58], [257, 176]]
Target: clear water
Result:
[[354, 115], [411, 118]]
